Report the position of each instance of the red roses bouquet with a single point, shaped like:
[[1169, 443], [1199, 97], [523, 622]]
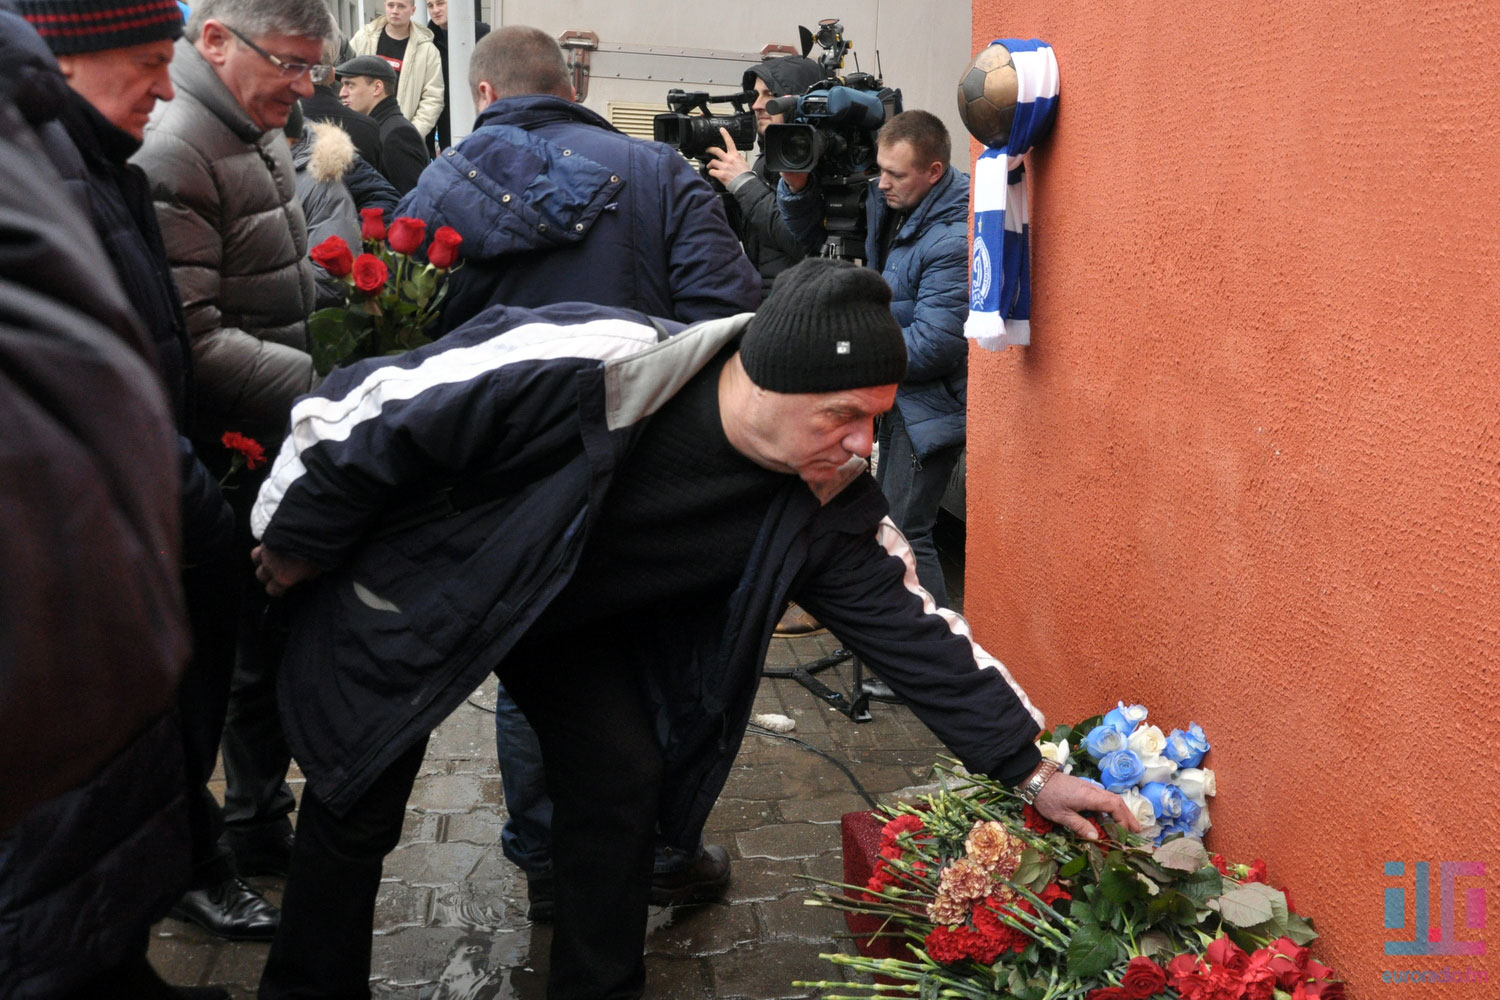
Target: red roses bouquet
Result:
[[992, 901], [391, 299]]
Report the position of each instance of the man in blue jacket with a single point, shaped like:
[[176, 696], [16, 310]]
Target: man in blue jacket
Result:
[[557, 205], [647, 495], [917, 214]]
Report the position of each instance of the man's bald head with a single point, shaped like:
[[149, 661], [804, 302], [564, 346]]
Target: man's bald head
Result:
[[516, 60]]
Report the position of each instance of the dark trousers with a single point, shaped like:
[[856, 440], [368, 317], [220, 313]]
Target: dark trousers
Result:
[[915, 487], [603, 766]]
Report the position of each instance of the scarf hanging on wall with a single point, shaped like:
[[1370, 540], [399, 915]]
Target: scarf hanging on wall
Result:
[[1000, 269]]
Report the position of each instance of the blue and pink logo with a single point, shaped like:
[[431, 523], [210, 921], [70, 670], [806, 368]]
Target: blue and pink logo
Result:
[[1427, 939]]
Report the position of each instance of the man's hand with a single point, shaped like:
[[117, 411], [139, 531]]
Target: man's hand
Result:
[[1064, 797], [728, 162], [795, 181], [280, 572]]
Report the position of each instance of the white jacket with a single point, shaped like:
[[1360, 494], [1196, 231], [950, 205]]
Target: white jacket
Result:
[[419, 87]]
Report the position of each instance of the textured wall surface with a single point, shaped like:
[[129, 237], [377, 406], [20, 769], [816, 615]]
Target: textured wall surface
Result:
[[1249, 471]]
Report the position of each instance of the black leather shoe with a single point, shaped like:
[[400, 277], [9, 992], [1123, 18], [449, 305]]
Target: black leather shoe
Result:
[[702, 880], [231, 910], [540, 904], [267, 852]]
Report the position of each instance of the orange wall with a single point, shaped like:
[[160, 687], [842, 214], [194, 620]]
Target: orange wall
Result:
[[1249, 471]]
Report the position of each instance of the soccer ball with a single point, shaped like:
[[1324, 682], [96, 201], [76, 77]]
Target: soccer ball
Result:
[[987, 96]]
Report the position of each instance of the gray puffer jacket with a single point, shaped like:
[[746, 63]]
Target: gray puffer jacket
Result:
[[237, 240]]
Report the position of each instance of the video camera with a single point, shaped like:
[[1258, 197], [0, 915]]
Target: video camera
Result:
[[830, 129], [692, 134]]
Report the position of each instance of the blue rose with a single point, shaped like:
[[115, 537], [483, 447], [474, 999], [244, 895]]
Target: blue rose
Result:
[[1120, 770], [1190, 810], [1187, 747], [1103, 740], [1126, 717], [1173, 828], [1166, 799]]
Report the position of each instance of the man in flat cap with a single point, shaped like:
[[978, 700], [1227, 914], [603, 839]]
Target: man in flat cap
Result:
[[368, 85], [647, 494]]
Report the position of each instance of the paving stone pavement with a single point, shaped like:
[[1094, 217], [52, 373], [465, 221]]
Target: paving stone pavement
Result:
[[451, 914]]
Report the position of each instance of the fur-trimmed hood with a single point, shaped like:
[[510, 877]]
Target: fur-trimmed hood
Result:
[[326, 152]]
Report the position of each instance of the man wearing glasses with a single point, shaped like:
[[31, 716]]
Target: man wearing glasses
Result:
[[222, 183]]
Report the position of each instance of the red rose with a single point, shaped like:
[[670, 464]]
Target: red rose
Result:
[[1143, 978], [370, 273], [1257, 871], [444, 250], [334, 256], [1227, 954], [406, 234], [248, 447], [371, 224], [1326, 991], [1108, 993]]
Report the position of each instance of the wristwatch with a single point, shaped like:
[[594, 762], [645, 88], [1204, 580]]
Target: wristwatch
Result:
[[1028, 792]]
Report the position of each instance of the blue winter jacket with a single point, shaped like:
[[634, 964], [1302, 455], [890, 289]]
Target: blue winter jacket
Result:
[[425, 597], [927, 268], [555, 205]]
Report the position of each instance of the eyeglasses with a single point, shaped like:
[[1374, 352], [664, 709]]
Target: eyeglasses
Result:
[[317, 72]]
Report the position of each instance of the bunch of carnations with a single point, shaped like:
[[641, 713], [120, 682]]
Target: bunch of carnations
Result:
[[992, 901], [391, 300], [1160, 776]]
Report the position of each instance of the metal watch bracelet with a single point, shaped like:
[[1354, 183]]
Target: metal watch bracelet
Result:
[[1028, 792]]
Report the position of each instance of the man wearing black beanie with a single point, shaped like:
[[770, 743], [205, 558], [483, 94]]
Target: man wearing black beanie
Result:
[[649, 496]]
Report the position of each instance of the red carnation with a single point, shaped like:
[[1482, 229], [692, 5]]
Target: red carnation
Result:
[[1053, 893], [1035, 821], [1221, 864], [247, 447], [1143, 978], [1222, 984], [370, 273], [1257, 871], [1186, 975], [406, 234], [334, 256], [444, 250], [896, 827], [371, 224], [945, 946]]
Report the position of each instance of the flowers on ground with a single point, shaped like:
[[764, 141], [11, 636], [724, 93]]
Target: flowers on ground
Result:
[[391, 299], [993, 901]]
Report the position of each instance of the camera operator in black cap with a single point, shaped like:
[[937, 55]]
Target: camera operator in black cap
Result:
[[751, 204]]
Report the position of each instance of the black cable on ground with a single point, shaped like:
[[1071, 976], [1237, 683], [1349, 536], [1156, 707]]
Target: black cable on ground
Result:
[[763, 731]]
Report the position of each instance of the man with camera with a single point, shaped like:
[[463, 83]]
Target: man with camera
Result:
[[751, 204], [917, 237]]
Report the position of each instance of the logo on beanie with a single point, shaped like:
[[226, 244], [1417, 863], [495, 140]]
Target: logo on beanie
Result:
[[841, 347]]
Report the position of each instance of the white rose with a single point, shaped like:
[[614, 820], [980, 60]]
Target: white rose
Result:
[[1057, 753], [1147, 741], [1158, 768], [1140, 806], [1197, 783], [1201, 824]]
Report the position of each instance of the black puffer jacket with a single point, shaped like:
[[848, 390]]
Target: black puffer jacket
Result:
[[91, 155], [93, 842]]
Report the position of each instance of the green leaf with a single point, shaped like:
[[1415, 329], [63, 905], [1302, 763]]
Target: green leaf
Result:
[[1073, 867], [1299, 929], [1248, 905], [1156, 943], [1142, 863], [1202, 885], [1091, 952], [1174, 906], [1120, 885], [1183, 854]]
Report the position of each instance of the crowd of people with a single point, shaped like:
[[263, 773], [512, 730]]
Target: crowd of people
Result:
[[646, 417]]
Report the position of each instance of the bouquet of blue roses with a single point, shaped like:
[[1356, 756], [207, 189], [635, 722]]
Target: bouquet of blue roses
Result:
[[1159, 775]]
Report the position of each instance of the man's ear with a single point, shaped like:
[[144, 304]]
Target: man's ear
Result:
[[66, 64], [214, 42], [935, 171], [484, 96]]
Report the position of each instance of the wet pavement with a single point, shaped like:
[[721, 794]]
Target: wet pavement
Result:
[[451, 915]]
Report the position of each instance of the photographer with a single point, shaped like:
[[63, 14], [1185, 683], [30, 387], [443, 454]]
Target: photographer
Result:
[[917, 238], [752, 209]]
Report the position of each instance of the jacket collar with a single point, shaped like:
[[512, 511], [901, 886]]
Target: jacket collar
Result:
[[950, 194], [419, 33], [96, 136], [532, 110], [192, 74]]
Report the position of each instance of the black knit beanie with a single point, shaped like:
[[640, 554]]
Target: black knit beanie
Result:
[[826, 327], [72, 26]]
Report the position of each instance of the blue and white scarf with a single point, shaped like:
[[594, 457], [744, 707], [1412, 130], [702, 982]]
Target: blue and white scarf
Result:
[[1000, 271]]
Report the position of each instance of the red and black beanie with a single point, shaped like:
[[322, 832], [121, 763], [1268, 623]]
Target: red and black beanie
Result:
[[70, 26]]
